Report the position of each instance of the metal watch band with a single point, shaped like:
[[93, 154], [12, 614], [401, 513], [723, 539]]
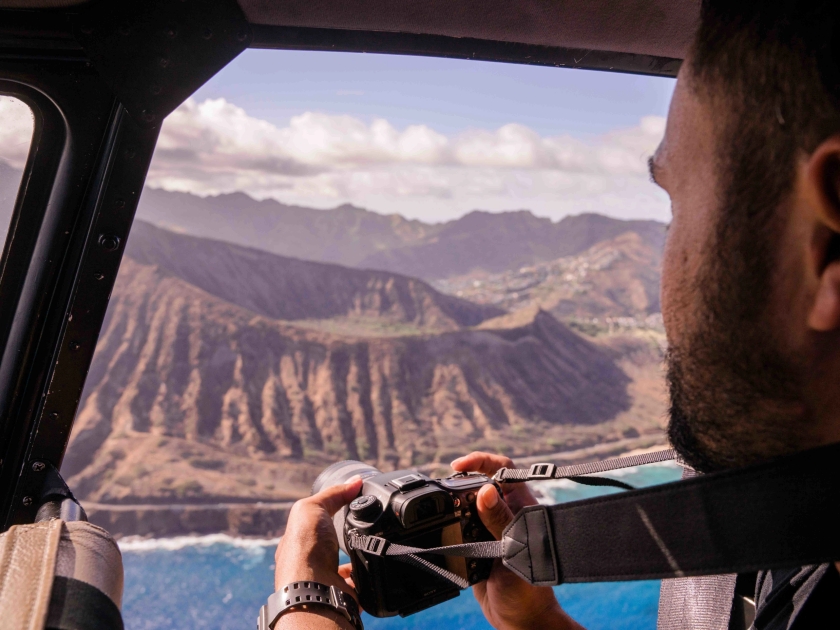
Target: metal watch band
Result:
[[306, 594]]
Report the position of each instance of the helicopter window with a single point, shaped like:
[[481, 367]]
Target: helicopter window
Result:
[[391, 259], [16, 124]]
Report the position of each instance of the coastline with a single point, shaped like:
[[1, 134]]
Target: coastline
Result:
[[267, 520]]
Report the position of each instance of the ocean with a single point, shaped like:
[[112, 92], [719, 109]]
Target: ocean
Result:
[[218, 582]]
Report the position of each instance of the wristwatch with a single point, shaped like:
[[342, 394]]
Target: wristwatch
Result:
[[307, 594]]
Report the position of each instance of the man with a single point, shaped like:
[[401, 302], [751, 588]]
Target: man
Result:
[[750, 295]]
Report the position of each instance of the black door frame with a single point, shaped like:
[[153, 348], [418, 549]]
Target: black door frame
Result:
[[76, 201]]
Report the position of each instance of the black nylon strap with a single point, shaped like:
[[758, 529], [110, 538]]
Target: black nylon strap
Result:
[[446, 574], [601, 481], [544, 471], [775, 515], [76, 605]]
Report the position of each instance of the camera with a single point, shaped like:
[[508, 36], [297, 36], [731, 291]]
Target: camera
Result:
[[411, 509]]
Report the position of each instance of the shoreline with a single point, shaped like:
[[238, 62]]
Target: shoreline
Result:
[[267, 520]]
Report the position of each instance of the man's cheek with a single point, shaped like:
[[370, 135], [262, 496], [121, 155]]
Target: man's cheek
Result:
[[680, 282]]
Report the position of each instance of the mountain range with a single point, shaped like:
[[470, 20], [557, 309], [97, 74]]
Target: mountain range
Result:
[[354, 237], [225, 373], [248, 344]]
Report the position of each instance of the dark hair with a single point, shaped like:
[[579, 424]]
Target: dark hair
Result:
[[770, 69], [778, 57], [775, 63]]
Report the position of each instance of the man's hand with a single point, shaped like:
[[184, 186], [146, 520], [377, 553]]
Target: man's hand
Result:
[[309, 551], [508, 602]]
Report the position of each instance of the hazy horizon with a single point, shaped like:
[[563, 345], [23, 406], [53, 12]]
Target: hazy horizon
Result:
[[425, 220]]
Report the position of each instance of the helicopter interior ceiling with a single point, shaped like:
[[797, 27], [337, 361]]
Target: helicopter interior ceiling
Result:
[[659, 28]]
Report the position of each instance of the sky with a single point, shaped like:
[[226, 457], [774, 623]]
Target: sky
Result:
[[427, 138], [16, 124]]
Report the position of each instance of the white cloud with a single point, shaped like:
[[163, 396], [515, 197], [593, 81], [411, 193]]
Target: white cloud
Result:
[[16, 124], [321, 159]]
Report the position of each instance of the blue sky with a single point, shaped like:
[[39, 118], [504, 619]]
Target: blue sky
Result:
[[450, 95], [424, 137]]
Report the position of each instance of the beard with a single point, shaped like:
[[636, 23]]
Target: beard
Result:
[[728, 416], [736, 393]]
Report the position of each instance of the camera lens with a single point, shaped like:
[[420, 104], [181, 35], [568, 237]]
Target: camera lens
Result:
[[340, 472]]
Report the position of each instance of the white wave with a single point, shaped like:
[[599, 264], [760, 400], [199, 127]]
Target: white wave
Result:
[[138, 543]]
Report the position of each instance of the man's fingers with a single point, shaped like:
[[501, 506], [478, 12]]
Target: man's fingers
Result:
[[486, 463], [493, 511], [518, 495], [336, 497]]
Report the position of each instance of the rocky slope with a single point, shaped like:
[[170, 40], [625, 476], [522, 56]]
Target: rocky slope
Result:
[[616, 278], [290, 289], [193, 398]]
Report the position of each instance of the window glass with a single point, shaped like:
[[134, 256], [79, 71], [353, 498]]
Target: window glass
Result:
[[390, 259], [16, 124]]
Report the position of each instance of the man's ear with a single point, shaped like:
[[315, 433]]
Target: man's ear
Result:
[[822, 175]]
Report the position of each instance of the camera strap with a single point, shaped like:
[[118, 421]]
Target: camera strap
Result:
[[780, 514], [576, 472]]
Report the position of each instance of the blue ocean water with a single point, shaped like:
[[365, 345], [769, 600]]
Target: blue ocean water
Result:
[[219, 582]]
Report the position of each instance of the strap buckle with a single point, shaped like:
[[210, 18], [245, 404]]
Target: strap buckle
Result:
[[337, 597], [373, 545], [542, 471]]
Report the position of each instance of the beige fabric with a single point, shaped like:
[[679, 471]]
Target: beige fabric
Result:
[[88, 553], [27, 564], [30, 555]]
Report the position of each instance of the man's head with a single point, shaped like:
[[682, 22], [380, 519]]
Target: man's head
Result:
[[751, 274]]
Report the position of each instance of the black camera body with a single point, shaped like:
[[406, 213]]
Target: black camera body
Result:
[[411, 509]]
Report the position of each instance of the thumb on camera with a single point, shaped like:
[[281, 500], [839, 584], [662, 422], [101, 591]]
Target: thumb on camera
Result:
[[494, 513]]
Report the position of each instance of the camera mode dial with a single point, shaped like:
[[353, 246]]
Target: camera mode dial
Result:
[[365, 508]]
